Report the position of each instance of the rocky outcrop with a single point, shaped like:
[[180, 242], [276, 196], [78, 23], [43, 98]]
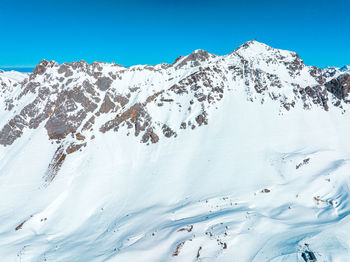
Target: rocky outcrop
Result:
[[55, 165], [340, 87], [108, 97], [194, 59], [103, 83]]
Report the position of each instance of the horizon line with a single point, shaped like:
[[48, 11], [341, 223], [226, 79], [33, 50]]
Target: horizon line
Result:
[[17, 66]]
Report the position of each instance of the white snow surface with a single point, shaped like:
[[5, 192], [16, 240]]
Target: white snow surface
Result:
[[257, 183], [13, 75], [333, 72]]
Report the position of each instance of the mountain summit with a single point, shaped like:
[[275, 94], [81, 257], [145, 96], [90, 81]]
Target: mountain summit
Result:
[[199, 160]]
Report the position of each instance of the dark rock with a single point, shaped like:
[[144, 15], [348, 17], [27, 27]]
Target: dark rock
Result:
[[339, 86], [66, 70], [103, 83], [55, 164]]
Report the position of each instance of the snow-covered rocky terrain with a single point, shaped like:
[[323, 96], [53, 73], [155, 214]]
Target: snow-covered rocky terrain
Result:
[[242, 157]]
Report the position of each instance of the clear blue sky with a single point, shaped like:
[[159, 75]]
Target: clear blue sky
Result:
[[155, 31]]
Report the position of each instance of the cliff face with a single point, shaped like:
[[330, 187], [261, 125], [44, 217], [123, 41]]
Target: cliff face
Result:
[[186, 161], [68, 98]]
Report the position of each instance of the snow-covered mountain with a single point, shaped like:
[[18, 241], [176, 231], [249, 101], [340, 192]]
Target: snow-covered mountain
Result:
[[242, 157], [12, 75], [332, 72]]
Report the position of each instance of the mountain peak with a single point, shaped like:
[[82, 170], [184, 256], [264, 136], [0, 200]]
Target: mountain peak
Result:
[[268, 58], [43, 64], [345, 68], [253, 45], [254, 48], [194, 59]]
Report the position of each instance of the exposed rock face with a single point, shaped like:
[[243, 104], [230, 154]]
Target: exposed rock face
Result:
[[150, 135], [201, 119], [74, 147], [317, 94], [103, 83], [55, 165], [41, 67], [116, 97], [340, 87], [194, 59]]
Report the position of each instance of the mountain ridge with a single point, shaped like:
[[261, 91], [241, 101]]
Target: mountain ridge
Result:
[[251, 61], [344, 68]]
